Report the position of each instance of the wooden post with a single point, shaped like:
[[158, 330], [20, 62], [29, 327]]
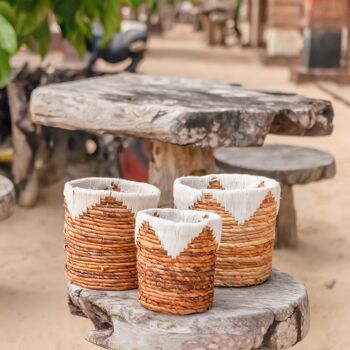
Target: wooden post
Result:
[[54, 157], [348, 49], [172, 161], [286, 229], [257, 22], [25, 144]]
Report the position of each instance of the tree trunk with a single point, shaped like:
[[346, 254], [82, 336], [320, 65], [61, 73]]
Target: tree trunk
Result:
[[25, 139], [172, 161], [286, 230], [55, 157]]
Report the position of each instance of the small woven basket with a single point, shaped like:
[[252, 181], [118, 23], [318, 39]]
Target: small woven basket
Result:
[[176, 254], [99, 231], [248, 206]]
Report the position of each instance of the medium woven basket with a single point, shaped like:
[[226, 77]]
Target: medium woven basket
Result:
[[248, 206], [176, 254], [99, 231]]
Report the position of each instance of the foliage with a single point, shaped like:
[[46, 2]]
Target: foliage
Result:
[[26, 22]]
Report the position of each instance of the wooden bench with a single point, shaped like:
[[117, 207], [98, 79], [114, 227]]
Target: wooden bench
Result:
[[273, 315], [290, 165], [7, 198]]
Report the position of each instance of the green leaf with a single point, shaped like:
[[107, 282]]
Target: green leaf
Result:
[[91, 8], [29, 20], [153, 5], [42, 37], [134, 4], [110, 19], [8, 12], [8, 37], [5, 68], [83, 23]]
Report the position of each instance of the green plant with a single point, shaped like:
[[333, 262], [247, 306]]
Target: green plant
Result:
[[26, 22]]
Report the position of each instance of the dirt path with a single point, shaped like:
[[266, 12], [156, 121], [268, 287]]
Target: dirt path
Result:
[[33, 311]]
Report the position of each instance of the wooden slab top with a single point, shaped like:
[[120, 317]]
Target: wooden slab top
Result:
[[290, 165], [274, 315], [181, 111]]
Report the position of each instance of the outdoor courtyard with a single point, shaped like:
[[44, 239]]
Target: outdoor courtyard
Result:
[[34, 313]]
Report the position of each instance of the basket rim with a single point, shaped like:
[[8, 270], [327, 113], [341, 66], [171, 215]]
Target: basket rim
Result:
[[145, 189], [175, 236], [185, 215], [270, 184]]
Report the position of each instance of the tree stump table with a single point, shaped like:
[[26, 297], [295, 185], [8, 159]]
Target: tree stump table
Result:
[[7, 198], [186, 118], [273, 315], [290, 165]]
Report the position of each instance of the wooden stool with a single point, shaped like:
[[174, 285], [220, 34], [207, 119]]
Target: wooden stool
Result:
[[274, 315], [216, 28], [7, 198], [290, 165]]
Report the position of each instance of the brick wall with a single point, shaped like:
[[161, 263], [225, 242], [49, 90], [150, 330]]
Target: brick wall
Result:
[[327, 14], [288, 14]]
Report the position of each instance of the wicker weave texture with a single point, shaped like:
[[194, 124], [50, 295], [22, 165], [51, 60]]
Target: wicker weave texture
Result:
[[244, 257], [100, 247], [184, 285]]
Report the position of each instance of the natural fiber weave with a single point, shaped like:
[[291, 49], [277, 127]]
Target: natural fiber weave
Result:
[[100, 247], [181, 286], [244, 257]]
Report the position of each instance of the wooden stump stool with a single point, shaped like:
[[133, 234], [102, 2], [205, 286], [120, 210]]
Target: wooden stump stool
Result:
[[7, 198], [216, 28], [290, 165], [274, 315]]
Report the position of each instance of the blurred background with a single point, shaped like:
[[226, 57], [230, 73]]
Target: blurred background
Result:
[[296, 46]]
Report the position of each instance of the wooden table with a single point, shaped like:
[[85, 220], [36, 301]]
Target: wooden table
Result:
[[186, 118], [274, 315]]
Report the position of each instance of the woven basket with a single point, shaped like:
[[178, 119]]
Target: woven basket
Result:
[[176, 254], [248, 206], [99, 231]]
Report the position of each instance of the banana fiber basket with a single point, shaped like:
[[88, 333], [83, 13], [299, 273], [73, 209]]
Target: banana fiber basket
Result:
[[99, 230], [248, 206], [176, 254]]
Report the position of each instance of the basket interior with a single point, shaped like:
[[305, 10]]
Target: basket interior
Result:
[[227, 182], [175, 216], [115, 185]]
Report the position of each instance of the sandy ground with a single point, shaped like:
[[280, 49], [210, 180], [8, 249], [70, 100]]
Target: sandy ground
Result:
[[33, 311]]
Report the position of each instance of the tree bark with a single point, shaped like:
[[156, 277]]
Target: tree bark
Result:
[[25, 139], [55, 157], [172, 161]]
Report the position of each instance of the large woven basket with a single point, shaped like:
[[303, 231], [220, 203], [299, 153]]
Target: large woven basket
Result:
[[176, 254], [248, 206], [99, 230]]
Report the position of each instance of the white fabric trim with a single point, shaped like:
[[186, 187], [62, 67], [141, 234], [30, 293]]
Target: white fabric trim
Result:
[[82, 194], [241, 196], [176, 229]]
